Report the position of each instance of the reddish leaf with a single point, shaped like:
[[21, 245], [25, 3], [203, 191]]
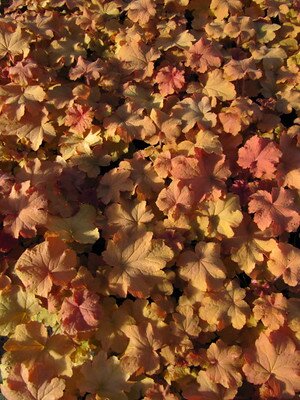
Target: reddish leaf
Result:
[[276, 210], [170, 80], [80, 312], [260, 156], [202, 55]]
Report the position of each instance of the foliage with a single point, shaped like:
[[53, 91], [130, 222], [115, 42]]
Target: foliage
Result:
[[149, 199]]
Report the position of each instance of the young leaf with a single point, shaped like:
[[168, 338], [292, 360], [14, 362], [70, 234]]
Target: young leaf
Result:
[[203, 55]]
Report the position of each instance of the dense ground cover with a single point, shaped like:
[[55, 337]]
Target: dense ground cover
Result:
[[149, 199]]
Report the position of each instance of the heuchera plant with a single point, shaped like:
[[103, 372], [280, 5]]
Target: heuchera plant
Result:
[[149, 199]]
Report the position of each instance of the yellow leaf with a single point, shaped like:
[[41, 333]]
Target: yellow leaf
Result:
[[16, 307], [30, 344], [217, 218], [221, 8], [218, 86], [209, 142], [14, 43], [80, 228]]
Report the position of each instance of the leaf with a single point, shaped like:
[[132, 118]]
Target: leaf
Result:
[[274, 361], [260, 156], [206, 389], [293, 316], [140, 58], [128, 216], [18, 100], [176, 37], [16, 307], [225, 307], [209, 142], [169, 127], [222, 8], [50, 390], [249, 246], [36, 131], [271, 310], [284, 261], [47, 264], [24, 72], [137, 262], [276, 210], [170, 80], [241, 69], [204, 174], [79, 118], [141, 11], [80, 228], [186, 320], [159, 391], [231, 120], [14, 43], [203, 268], [24, 210], [105, 377], [224, 364], [195, 110], [218, 86], [288, 171], [113, 183], [175, 200], [65, 50], [147, 182], [266, 32], [141, 96], [90, 70], [80, 144], [219, 217], [80, 312], [130, 123], [142, 348], [202, 55], [29, 344], [21, 385]]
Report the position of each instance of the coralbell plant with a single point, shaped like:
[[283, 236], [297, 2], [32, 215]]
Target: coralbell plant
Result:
[[149, 199]]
